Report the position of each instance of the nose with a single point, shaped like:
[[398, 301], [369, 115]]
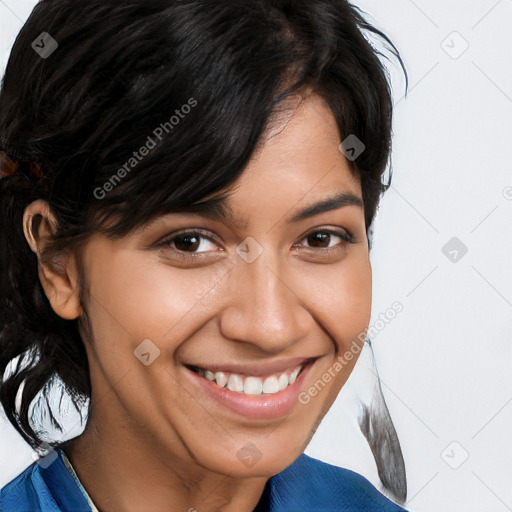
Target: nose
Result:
[[265, 307]]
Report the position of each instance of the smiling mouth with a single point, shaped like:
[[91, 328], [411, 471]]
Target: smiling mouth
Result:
[[253, 385]]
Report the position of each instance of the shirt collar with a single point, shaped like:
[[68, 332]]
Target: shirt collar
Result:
[[68, 464]]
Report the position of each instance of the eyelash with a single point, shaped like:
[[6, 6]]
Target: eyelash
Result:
[[166, 243]]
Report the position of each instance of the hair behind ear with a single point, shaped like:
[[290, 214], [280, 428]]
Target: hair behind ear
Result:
[[36, 344]]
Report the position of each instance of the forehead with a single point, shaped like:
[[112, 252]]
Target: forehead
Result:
[[299, 161], [296, 172]]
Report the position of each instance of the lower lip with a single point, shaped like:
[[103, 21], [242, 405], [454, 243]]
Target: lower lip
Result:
[[254, 406]]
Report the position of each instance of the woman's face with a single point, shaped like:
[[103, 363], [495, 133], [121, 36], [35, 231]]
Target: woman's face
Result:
[[248, 300]]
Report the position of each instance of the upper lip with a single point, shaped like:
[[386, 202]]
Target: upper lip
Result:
[[258, 369]]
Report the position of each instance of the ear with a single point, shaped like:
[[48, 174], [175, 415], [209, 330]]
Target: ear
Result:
[[58, 276]]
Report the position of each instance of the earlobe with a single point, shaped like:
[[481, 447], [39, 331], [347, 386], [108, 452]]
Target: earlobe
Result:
[[60, 283], [58, 273]]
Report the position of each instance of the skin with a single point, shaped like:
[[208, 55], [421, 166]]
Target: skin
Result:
[[153, 442]]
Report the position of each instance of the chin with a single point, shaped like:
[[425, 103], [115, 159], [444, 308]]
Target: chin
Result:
[[249, 461]]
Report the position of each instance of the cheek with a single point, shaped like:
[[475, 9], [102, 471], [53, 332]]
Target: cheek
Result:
[[355, 301], [133, 299], [342, 296], [343, 308]]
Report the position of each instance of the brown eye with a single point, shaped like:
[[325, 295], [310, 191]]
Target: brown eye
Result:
[[191, 242], [319, 239], [187, 242], [323, 239]]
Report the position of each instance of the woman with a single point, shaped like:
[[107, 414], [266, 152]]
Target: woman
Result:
[[187, 195]]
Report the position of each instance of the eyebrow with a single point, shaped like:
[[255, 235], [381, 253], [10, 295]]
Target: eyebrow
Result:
[[217, 209], [331, 203]]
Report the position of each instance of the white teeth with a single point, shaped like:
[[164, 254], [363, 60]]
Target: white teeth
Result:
[[283, 381], [221, 379], [235, 383], [270, 385], [251, 385], [294, 374]]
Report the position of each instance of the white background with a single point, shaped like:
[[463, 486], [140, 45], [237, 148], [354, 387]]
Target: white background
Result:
[[444, 361]]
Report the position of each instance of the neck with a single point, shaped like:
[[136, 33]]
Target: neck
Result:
[[123, 472]]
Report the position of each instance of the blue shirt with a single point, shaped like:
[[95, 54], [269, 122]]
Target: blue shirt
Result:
[[307, 485]]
